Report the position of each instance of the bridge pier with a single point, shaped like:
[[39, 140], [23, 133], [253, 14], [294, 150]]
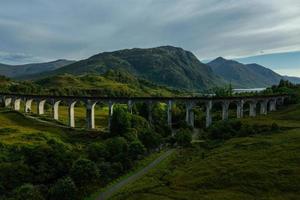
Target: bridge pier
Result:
[[169, 113], [272, 106], [16, 104], [55, 106], [189, 114], [129, 106], [240, 109], [264, 107], [41, 106], [28, 103], [71, 114], [150, 111], [208, 114], [90, 114], [7, 102], [252, 109], [225, 108], [110, 113]]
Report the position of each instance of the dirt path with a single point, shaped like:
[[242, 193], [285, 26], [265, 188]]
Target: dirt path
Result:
[[114, 188]]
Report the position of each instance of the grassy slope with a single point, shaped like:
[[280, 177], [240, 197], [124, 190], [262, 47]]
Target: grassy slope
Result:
[[15, 129], [259, 167]]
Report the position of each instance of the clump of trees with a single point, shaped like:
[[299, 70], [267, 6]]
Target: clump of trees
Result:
[[224, 130]]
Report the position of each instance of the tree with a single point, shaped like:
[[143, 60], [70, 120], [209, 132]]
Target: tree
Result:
[[150, 139], [117, 148], [136, 148], [63, 189], [120, 122], [183, 137], [84, 171], [97, 151], [27, 191]]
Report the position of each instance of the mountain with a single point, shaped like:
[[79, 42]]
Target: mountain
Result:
[[29, 69], [244, 76], [166, 65], [292, 79]]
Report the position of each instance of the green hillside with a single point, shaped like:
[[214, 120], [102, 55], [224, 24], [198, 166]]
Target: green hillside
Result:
[[112, 83], [167, 65], [264, 165]]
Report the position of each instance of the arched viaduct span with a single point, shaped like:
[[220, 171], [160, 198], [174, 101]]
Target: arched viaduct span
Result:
[[266, 103]]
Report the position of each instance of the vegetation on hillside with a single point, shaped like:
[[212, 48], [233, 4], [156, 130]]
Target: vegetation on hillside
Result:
[[38, 161], [255, 158], [112, 83]]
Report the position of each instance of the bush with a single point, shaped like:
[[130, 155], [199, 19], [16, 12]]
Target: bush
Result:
[[183, 137], [150, 139], [117, 148], [84, 171], [63, 189], [275, 127], [234, 128], [136, 148], [27, 191], [97, 151]]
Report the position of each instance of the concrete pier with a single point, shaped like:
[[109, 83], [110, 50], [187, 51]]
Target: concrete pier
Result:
[[16, 104], [110, 112], [252, 108], [55, 106], [225, 108], [71, 114], [169, 113], [41, 107], [90, 114], [264, 107], [28, 104], [240, 109], [208, 114]]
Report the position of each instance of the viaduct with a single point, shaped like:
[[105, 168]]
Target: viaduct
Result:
[[266, 103]]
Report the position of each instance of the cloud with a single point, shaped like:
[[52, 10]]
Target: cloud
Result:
[[17, 58], [76, 29]]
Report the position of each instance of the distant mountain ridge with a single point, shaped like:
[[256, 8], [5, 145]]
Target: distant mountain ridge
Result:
[[246, 75], [166, 65], [14, 71]]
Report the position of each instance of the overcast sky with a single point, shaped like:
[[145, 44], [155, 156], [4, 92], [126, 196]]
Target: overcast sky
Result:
[[40, 30]]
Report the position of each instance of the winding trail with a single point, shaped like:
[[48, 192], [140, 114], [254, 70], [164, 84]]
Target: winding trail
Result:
[[114, 188]]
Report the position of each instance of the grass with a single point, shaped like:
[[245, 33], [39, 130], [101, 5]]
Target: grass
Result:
[[258, 167]]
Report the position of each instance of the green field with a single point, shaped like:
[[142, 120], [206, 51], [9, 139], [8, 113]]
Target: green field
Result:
[[265, 166]]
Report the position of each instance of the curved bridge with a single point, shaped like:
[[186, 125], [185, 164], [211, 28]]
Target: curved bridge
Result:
[[266, 103]]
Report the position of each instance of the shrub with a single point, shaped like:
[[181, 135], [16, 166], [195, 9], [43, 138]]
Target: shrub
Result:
[[84, 171], [150, 139], [136, 148], [97, 151], [117, 148], [27, 191], [183, 137], [63, 189]]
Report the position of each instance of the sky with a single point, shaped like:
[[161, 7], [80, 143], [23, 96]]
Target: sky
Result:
[[44, 30]]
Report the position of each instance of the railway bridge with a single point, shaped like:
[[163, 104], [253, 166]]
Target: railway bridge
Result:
[[266, 104]]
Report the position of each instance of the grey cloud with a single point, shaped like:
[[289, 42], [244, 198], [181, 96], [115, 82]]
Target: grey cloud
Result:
[[77, 29]]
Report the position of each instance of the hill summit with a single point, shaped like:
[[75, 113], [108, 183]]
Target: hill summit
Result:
[[165, 65]]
